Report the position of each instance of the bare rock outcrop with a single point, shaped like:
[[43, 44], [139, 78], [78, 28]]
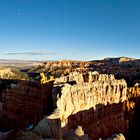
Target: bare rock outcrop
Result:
[[77, 134], [26, 103], [92, 103], [84, 96], [117, 137], [6, 73], [49, 127], [133, 92]]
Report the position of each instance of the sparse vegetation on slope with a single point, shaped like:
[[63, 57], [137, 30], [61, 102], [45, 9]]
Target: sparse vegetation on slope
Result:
[[13, 73]]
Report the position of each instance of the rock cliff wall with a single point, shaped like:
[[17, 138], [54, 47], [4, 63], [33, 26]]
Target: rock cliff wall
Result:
[[26, 103], [134, 99], [97, 104]]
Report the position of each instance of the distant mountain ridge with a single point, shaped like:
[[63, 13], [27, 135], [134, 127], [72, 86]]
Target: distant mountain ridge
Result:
[[122, 59], [106, 61]]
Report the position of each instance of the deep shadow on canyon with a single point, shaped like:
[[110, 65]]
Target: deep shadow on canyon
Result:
[[134, 127], [109, 119]]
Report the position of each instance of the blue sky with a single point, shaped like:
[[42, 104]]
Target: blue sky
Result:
[[69, 29]]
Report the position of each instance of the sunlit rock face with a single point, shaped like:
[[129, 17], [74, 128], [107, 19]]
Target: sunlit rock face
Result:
[[88, 95], [116, 137], [5, 73], [133, 92], [96, 102]]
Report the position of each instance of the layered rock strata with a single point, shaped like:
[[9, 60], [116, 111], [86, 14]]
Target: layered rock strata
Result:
[[95, 102], [26, 103]]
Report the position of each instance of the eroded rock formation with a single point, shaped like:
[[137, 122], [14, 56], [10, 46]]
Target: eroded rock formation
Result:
[[133, 92], [96, 102], [117, 137], [80, 106], [26, 103]]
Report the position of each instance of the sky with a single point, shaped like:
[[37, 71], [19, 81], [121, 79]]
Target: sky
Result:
[[69, 29]]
